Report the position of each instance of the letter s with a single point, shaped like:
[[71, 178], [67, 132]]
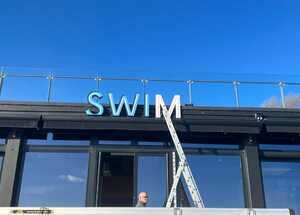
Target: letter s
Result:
[[92, 99]]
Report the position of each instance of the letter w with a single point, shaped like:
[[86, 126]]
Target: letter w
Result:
[[123, 101]]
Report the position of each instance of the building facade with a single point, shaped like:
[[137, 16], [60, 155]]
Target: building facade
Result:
[[53, 154]]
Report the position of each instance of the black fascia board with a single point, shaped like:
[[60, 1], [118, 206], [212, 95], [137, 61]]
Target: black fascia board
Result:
[[70, 116]]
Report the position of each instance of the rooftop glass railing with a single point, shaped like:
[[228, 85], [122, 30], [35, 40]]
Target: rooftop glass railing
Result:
[[214, 93]]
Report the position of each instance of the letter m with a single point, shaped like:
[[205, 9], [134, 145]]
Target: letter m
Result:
[[159, 102]]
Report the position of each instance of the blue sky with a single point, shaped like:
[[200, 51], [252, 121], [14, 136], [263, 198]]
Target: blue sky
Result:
[[190, 39], [207, 39], [244, 40]]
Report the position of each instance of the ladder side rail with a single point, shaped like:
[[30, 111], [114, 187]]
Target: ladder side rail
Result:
[[173, 134], [175, 183], [198, 201]]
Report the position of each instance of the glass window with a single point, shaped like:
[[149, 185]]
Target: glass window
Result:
[[116, 184], [200, 97], [152, 178], [280, 147], [259, 95], [121, 88], [72, 90], [292, 94], [18, 89], [219, 180], [57, 142], [54, 179], [201, 145], [281, 184], [2, 141], [115, 142], [50, 141], [148, 143], [168, 89]]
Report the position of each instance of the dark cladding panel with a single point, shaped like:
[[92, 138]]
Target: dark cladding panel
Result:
[[10, 171], [253, 185], [14, 120]]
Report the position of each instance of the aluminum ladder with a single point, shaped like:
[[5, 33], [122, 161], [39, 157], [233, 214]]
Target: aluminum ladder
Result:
[[183, 168]]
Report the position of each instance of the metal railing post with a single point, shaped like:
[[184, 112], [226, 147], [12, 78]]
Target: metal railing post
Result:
[[2, 76], [98, 79], [236, 93], [50, 78], [144, 82], [190, 82], [281, 86]]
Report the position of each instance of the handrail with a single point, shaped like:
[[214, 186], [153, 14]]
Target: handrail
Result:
[[190, 84]]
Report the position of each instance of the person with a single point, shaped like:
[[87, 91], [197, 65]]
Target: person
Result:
[[142, 199]]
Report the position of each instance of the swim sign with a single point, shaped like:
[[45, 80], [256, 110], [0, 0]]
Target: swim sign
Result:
[[98, 110]]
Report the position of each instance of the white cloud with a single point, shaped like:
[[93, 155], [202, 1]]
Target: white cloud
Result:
[[291, 101], [71, 178], [271, 102]]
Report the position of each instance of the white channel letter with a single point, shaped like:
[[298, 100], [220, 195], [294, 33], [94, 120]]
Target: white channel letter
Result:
[[93, 99], [175, 103], [123, 101]]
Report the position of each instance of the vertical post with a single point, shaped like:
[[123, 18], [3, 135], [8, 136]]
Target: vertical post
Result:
[[181, 196], [252, 175], [281, 86], [98, 79], [135, 179], [190, 82], [169, 160], [92, 179], [2, 76], [174, 175], [236, 93], [11, 171], [99, 180], [50, 78], [144, 82]]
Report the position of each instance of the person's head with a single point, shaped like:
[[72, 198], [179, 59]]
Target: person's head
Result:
[[143, 197]]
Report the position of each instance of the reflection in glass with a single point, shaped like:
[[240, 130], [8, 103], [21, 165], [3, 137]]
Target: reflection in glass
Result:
[[282, 185], [2, 141], [219, 180], [209, 145], [152, 178], [57, 142], [148, 143], [283, 147], [54, 179], [115, 142]]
